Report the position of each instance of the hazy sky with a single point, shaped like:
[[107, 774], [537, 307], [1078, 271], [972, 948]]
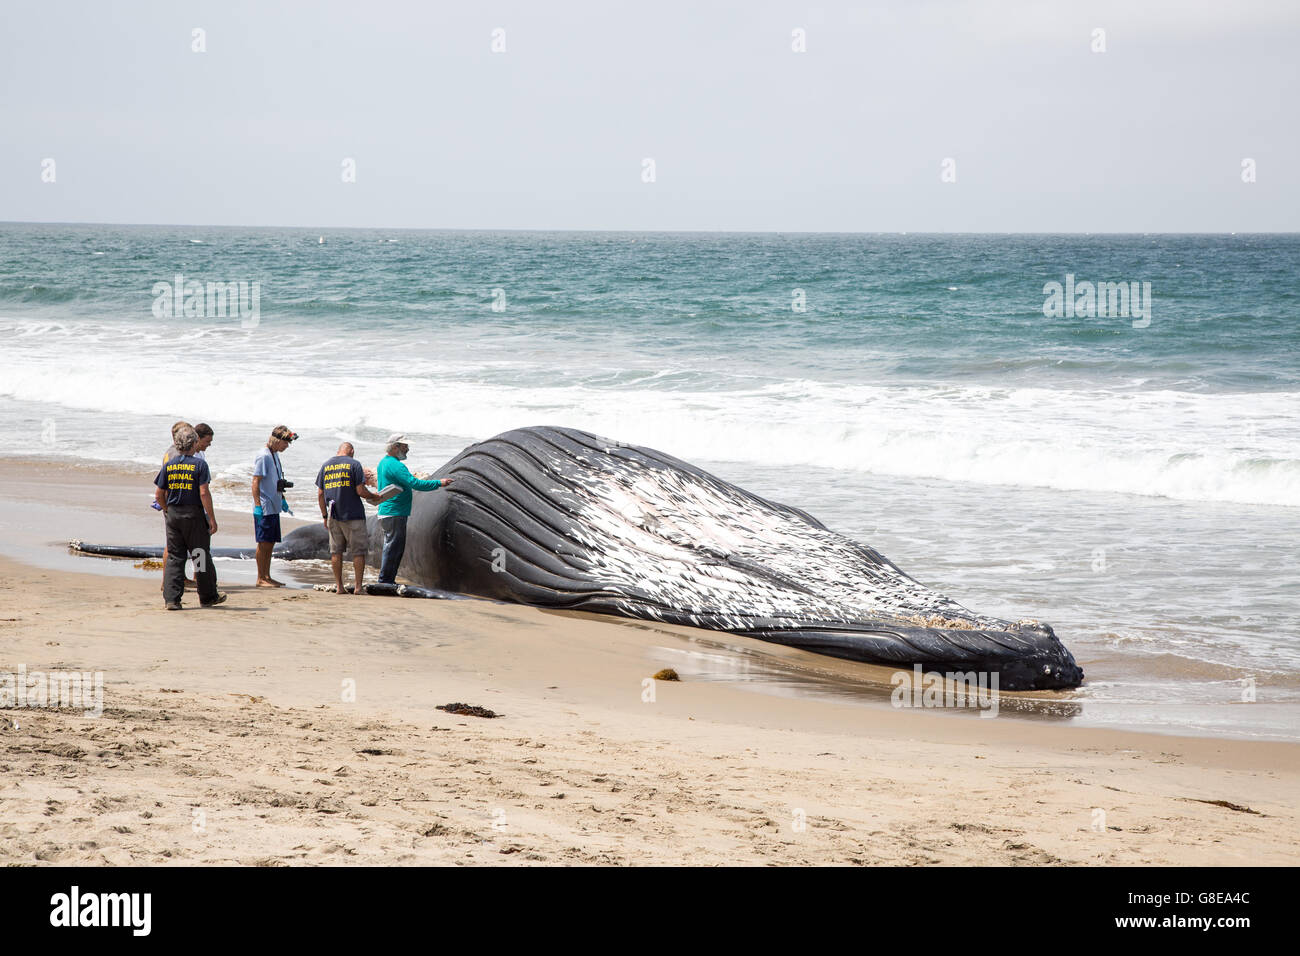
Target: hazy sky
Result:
[[745, 133]]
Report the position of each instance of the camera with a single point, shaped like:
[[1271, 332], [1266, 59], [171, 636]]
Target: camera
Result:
[[281, 484]]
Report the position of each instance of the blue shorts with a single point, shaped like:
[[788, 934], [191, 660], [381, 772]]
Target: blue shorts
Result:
[[267, 528]]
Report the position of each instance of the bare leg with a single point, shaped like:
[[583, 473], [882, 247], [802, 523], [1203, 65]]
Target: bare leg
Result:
[[336, 562], [264, 579], [358, 572]]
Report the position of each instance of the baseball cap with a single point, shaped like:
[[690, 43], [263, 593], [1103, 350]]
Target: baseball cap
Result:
[[397, 438]]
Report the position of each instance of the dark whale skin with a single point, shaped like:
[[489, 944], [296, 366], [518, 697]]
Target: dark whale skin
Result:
[[560, 518]]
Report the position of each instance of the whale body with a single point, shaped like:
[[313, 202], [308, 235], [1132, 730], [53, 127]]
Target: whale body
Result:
[[561, 518]]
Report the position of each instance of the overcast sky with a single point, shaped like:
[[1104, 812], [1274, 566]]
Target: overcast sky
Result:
[[745, 133]]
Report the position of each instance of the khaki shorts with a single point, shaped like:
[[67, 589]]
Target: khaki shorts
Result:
[[348, 538]]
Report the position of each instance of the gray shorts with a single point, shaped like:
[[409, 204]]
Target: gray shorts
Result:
[[348, 538]]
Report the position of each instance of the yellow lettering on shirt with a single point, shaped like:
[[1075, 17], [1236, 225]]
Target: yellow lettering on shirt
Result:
[[181, 475], [338, 476]]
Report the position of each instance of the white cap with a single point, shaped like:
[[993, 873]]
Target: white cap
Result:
[[396, 439]]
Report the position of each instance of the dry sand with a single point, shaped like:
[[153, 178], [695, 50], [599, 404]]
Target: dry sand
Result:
[[226, 738]]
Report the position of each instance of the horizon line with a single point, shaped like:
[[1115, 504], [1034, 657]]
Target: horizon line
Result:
[[746, 232]]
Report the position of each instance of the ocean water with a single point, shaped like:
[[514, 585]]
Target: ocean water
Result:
[[1134, 480]]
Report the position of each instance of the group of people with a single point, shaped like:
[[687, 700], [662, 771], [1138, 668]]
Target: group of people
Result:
[[342, 487], [181, 494]]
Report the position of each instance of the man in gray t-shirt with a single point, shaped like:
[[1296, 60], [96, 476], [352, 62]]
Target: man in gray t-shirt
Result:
[[267, 467], [269, 501]]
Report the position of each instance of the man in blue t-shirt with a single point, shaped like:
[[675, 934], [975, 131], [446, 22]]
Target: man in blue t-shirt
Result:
[[182, 494], [269, 501], [341, 486]]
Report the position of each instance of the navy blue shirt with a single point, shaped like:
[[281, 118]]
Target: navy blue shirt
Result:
[[339, 478], [181, 478]]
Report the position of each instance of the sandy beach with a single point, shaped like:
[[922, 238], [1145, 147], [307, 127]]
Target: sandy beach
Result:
[[300, 727]]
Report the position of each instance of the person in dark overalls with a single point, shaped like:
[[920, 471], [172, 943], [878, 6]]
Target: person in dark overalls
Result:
[[182, 493]]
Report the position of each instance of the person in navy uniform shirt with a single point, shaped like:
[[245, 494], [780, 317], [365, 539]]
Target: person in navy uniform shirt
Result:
[[182, 494], [341, 486], [204, 431]]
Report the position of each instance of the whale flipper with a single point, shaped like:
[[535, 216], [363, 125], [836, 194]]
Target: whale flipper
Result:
[[309, 541]]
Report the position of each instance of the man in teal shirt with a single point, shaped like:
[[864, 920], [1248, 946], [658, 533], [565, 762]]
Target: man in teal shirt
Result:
[[394, 512]]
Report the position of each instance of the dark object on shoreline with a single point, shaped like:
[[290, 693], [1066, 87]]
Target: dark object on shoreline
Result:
[[376, 589], [468, 710], [666, 674], [409, 591], [1224, 803], [284, 551]]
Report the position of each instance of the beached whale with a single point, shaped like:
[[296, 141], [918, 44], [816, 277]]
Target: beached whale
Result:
[[561, 518]]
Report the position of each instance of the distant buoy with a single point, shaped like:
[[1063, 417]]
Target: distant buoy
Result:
[[320, 240]]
